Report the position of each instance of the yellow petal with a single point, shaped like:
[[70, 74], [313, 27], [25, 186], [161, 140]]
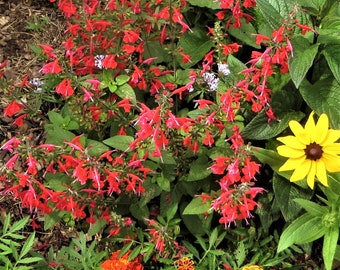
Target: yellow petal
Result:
[[331, 137], [287, 151], [311, 175], [299, 132], [321, 128], [310, 127], [321, 172], [333, 148], [301, 172], [292, 142], [332, 162], [291, 164]]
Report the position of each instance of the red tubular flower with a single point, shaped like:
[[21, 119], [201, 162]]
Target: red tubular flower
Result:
[[51, 68], [64, 88], [13, 108]]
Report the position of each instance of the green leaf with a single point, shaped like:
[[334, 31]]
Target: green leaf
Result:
[[51, 219], [259, 128], [332, 55], [302, 59], [151, 191], [205, 3], [55, 118], [163, 182], [245, 33], [126, 91], [57, 135], [329, 246], [272, 158], [213, 237], [285, 104], [29, 260], [196, 207], [95, 148], [311, 207], [27, 245], [135, 252], [285, 193], [199, 169], [18, 225], [121, 79], [304, 229], [120, 142], [270, 13], [323, 97], [96, 227], [196, 44], [191, 249]]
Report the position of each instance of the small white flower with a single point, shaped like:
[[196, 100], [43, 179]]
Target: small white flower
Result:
[[98, 61], [212, 80], [223, 68], [37, 83]]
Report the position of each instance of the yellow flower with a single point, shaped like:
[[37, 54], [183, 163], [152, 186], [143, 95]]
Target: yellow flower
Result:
[[312, 151], [252, 267]]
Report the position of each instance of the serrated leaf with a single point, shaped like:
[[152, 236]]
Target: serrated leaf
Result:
[[51, 219], [323, 97], [196, 207], [285, 193], [120, 142], [196, 44], [329, 246], [18, 225], [304, 229], [302, 59], [199, 169], [270, 13], [259, 128], [135, 252], [30, 260], [332, 55]]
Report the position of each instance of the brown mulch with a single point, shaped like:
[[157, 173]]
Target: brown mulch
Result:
[[16, 37]]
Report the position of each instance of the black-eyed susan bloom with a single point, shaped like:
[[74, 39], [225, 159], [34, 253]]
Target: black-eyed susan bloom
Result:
[[312, 151]]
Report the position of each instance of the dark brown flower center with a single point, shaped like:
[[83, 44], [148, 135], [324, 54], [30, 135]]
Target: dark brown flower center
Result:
[[313, 151]]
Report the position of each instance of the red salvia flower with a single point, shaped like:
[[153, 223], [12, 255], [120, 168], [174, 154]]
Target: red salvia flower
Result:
[[64, 88]]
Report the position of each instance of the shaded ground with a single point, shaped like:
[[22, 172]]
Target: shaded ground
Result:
[[24, 23]]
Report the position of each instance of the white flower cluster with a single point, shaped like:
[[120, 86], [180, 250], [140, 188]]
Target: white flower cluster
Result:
[[98, 60], [212, 79], [37, 83]]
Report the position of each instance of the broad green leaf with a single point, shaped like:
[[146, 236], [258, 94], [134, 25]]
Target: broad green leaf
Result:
[[95, 148], [196, 44], [332, 55], [285, 104], [259, 128], [323, 97], [122, 79], [205, 3], [285, 193], [58, 181], [302, 59], [304, 229], [57, 135], [138, 211], [55, 118], [329, 246], [270, 13], [311, 207], [199, 169], [120, 142], [246, 33], [272, 158], [171, 210], [126, 91], [163, 182], [196, 207]]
